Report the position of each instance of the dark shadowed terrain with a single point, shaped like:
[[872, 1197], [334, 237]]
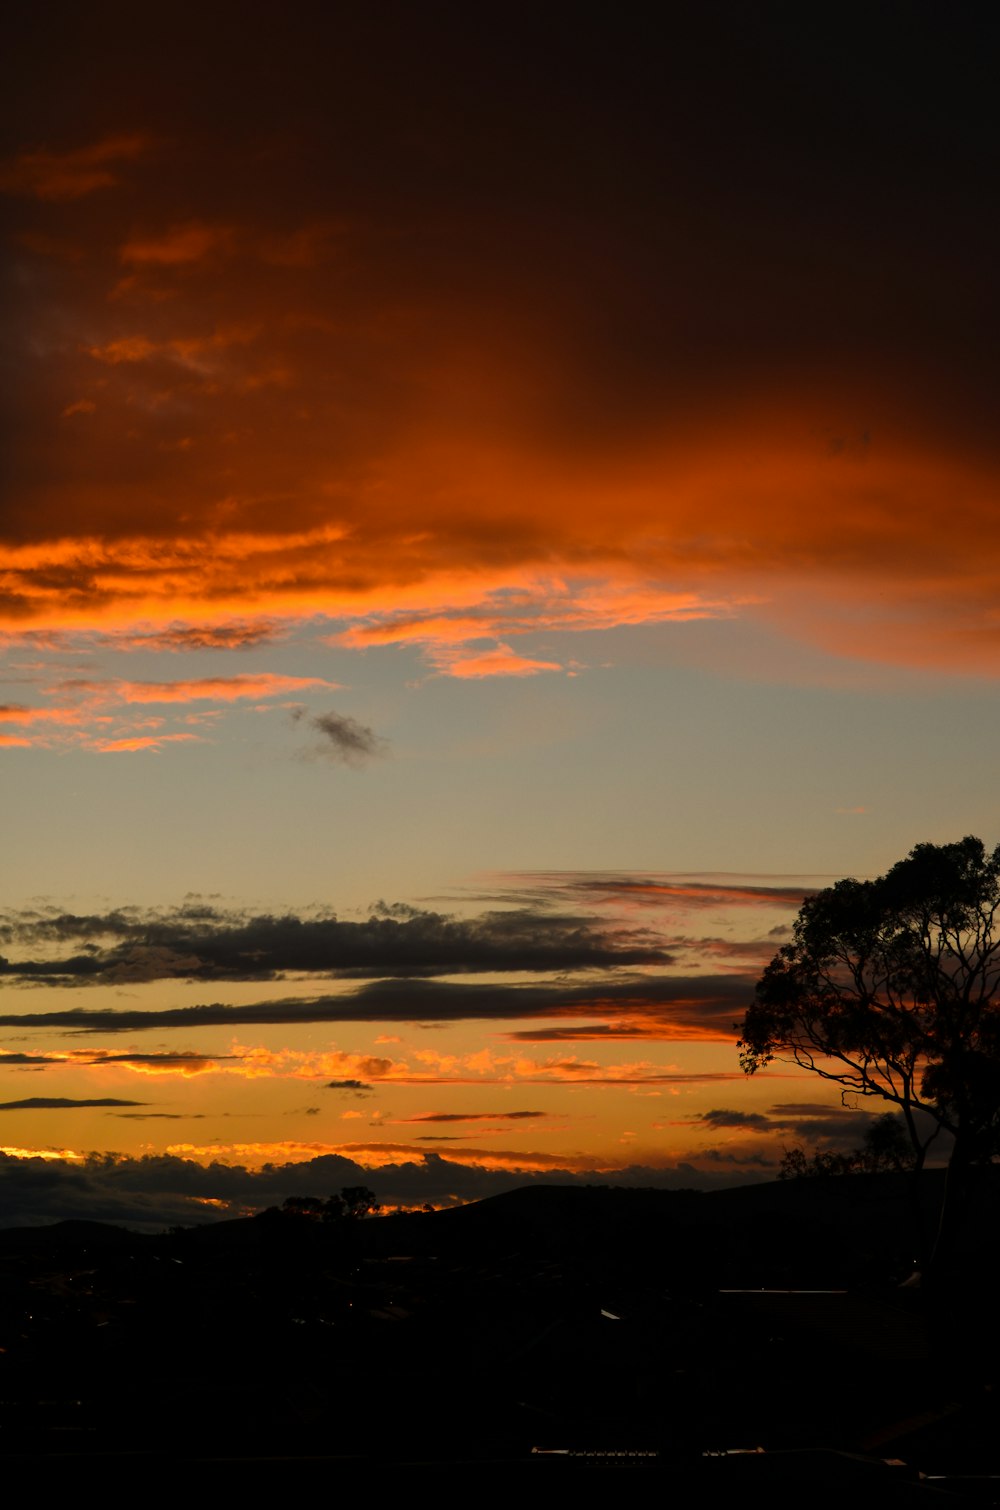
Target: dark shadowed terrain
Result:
[[666, 1328]]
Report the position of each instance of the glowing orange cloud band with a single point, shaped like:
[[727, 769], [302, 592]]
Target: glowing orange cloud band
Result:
[[296, 437], [687, 538]]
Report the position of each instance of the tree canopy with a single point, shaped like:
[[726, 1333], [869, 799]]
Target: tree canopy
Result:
[[885, 1149], [353, 1201], [891, 988]]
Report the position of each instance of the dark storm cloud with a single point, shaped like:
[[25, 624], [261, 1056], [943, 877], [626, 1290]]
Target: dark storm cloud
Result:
[[200, 942], [162, 1190], [60, 1103], [701, 1006]]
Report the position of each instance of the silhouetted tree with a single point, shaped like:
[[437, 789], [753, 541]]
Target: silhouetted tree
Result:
[[891, 988], [353, 1201], [360, 1201], [886, 1149], [307, 1206], [796, 1164]]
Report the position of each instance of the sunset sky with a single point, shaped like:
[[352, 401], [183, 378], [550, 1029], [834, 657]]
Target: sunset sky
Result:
[[501, 500]]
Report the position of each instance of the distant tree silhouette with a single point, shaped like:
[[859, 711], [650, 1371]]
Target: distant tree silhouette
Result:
[[360, 1201], [886, 1149], [891, 988], [353, 1201], [796, 1164], [307, 1206], [301, 1216]]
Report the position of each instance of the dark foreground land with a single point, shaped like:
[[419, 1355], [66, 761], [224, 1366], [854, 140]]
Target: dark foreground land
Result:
[[539, 1337]]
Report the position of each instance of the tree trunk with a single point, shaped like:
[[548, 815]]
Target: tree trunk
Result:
[[956, 1189], [945, 1313]]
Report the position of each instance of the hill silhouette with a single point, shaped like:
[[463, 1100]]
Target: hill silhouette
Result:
[[587, 1320]]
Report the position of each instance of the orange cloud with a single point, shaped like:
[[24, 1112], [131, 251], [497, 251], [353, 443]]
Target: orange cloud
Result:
[[539, 605], [198, 353], [376, 1154], [180, 244], [136, 742], [186, 1068], [166, 1062], [124, 349], [217, 688], [17, 713], [499, 662], [99, 722], [239, 634], [440, 587], [459, 455], [42, 174], [68, 1154]]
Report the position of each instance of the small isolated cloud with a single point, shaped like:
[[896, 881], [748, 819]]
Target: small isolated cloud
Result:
[[160, 1116], [359, 1087], [500, 661], [344, 738]]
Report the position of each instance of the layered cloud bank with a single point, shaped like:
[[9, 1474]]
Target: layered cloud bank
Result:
[[568, 987], [633, 973], [199, 941], [198, 1185], [615, 970], [153, 1193]]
